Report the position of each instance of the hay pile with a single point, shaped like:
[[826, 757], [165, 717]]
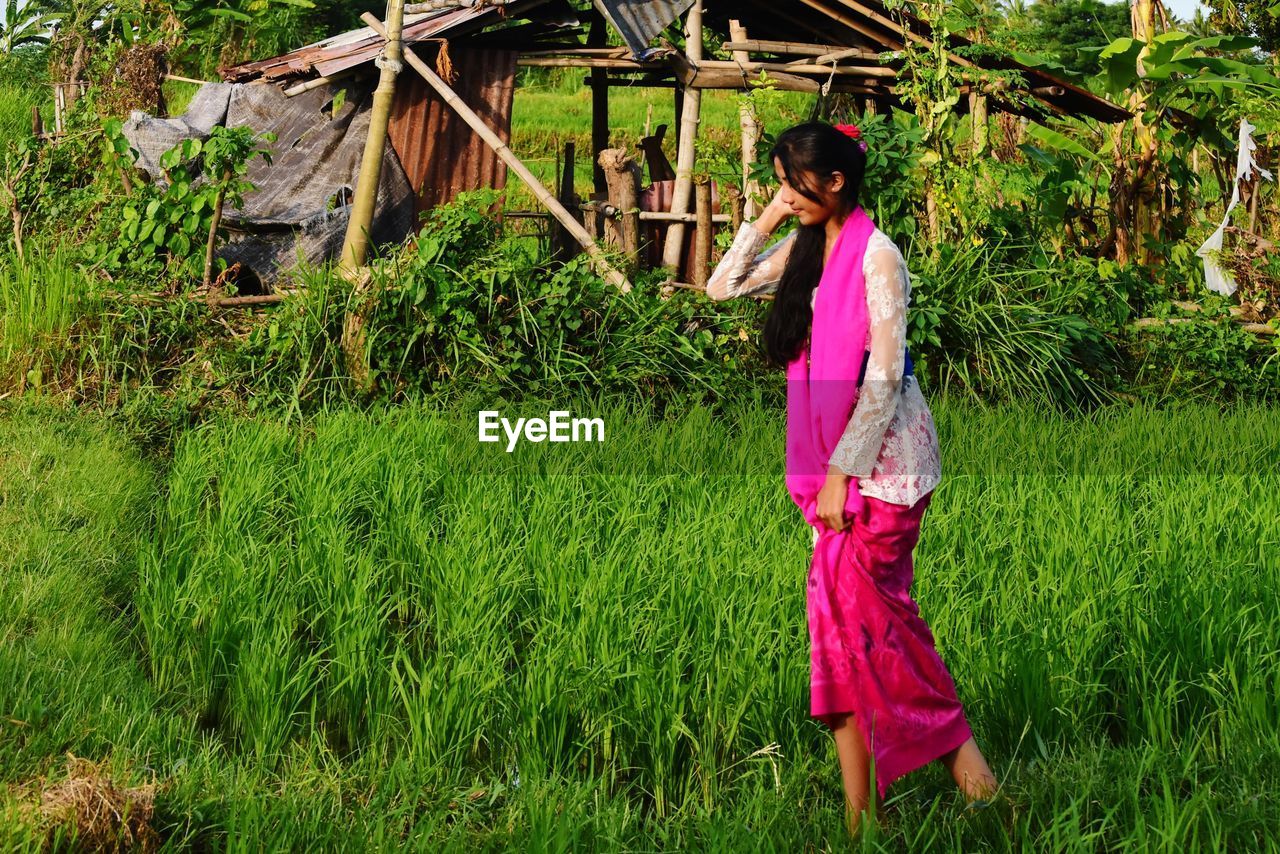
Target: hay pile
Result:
[[103, 815]]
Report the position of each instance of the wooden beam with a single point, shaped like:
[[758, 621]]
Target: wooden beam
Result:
[[599, 107], [792, 48], [623, 176], [703, 232], [801, 68], [584, 62], [308, 85], [905, 32], [854, 24], [355, 243], [515, 164], [647, 82], [688, 66]]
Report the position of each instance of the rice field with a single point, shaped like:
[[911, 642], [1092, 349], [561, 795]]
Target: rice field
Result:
[[368, 631]]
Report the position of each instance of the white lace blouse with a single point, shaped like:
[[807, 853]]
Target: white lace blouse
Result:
[[890, 444]]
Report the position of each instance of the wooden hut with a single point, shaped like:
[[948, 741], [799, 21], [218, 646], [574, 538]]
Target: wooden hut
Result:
[[475, 47]]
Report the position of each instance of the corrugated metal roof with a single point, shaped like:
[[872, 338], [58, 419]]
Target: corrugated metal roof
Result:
[[440, 153], [640, 21]]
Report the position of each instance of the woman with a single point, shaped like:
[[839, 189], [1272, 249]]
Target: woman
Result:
[[862, 464]]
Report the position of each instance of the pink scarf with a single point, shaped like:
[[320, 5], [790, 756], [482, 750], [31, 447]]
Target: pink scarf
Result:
[[821, 394]]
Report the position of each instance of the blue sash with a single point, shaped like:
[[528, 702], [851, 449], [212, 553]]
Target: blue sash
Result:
[[908, 369]]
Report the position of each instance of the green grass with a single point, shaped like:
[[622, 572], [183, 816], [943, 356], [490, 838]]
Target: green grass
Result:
[[371, 631], [40, 299]]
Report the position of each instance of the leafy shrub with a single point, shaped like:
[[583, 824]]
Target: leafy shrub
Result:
[[469, 310], [986, 328], [163, 226]]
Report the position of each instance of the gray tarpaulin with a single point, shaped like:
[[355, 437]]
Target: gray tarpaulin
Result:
[[301, 204]]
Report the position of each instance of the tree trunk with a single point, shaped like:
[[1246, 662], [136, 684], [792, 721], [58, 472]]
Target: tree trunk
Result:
[[212, 242]]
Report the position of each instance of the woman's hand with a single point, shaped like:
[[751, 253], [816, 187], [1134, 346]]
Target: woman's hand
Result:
[[774, 215], [831, 499]]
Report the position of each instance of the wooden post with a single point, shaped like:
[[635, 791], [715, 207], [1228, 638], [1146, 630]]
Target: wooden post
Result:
[[623, 176], [702, 234], [37, 124], [750, 131], [515, 164], [355, 244], [562, 242], [599, 106], [691, 113]]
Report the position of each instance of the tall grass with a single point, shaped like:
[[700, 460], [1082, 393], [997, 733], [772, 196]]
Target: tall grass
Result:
[[611, 650], [40, 299]]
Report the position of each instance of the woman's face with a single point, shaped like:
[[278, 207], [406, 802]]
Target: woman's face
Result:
[[808, 211]]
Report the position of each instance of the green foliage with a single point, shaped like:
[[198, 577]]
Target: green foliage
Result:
[[987, 326], [891, 183], [163, 226], [1258, 18], [1069, 32], [1206, 356], [465, 310], [22, 25]]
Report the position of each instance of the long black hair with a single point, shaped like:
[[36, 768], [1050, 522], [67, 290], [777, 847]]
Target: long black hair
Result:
[[812, 149]]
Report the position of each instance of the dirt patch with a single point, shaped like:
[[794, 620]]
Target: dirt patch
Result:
[[103, 814]]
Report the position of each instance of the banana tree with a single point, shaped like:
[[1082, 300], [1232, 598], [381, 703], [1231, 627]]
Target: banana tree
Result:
[[1179, 88], [23, 24]]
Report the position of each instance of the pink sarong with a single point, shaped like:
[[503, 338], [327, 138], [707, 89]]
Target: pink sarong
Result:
[[872, 655]]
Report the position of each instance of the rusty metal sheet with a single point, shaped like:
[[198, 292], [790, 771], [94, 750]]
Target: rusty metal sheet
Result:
[[338, 53], [440, 153]]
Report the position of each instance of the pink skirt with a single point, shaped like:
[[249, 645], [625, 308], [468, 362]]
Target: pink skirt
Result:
[[872, 655]]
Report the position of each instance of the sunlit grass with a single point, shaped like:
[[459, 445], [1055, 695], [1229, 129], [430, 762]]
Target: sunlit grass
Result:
[[356, 632]]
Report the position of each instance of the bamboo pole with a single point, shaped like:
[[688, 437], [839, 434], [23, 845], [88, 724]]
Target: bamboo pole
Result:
[[182, 79], [308, 85], [673, 250], [750, 130], [735, 67], [515, 164], [355, 244]]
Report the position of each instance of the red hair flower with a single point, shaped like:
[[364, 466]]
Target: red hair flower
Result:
[[853, 133]]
